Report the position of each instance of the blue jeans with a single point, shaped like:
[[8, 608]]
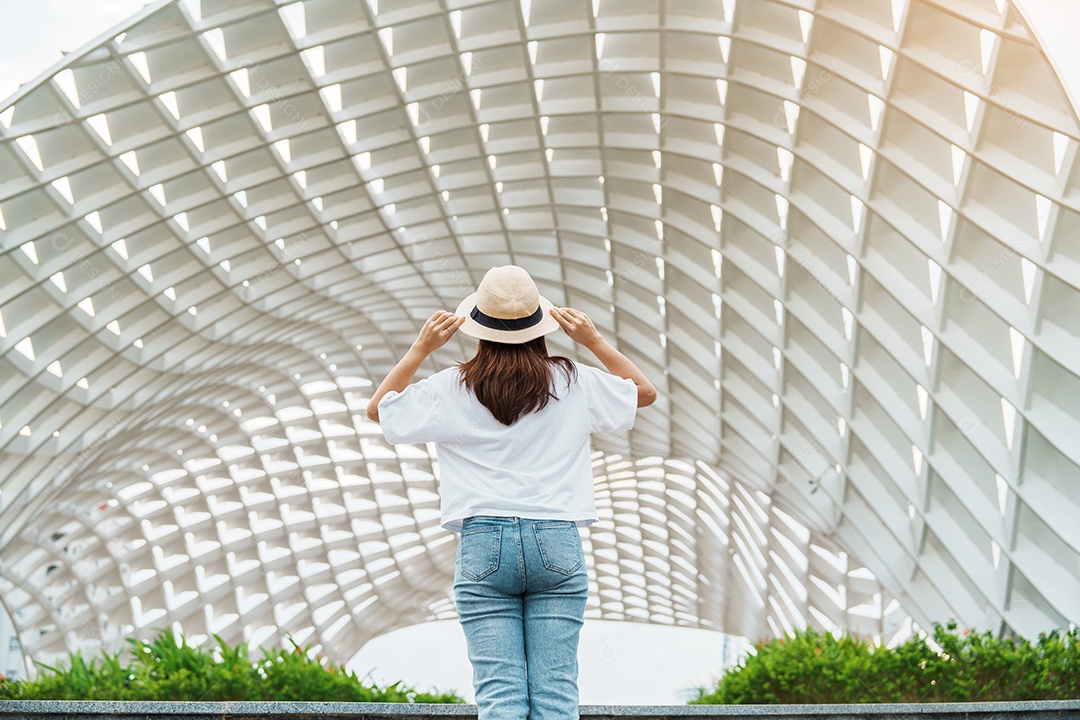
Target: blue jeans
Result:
[[521, 586]]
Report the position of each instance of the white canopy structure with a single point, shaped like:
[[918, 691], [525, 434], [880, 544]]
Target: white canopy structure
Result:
[[842, 237]]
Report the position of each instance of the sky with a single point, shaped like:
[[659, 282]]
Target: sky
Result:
[[1054, 24], [34, 35]]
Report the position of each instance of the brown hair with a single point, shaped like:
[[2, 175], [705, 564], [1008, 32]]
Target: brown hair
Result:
[[511, 379]]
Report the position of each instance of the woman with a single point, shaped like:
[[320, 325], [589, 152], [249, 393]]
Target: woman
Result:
[[512, 438]]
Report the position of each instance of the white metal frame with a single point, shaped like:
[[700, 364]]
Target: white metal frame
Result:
[[840, 235]]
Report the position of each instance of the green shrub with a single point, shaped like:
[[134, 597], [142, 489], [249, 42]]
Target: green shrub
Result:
[[168, 669], [816, 667]]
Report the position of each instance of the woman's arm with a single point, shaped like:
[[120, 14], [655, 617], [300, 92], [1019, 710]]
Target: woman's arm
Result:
[[581, 330], [436, 331]]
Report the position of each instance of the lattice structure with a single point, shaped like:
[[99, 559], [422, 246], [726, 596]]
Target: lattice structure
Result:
[[840, 236]]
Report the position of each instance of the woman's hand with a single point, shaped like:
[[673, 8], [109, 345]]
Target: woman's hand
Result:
[[439, 328], [581, 329], [578, 326], [436, 331]]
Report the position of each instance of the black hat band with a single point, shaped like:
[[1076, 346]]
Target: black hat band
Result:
[[502, 324]]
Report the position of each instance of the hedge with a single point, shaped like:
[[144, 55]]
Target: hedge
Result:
[[167, 668], [817, 667]]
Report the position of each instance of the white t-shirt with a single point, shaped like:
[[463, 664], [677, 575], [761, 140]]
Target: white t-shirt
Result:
[[539, 467]]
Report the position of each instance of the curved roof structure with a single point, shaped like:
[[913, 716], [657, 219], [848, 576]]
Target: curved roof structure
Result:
[[841, 236]]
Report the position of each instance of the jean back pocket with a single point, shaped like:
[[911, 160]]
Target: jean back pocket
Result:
[[479, 549], [560, 546]]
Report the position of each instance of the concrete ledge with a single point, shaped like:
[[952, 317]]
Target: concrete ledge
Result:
[[102, 710]]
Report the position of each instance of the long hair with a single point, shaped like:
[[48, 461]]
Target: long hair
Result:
[[512, 379]]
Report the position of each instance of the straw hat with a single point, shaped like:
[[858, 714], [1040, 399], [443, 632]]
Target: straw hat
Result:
[[507, 308]]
